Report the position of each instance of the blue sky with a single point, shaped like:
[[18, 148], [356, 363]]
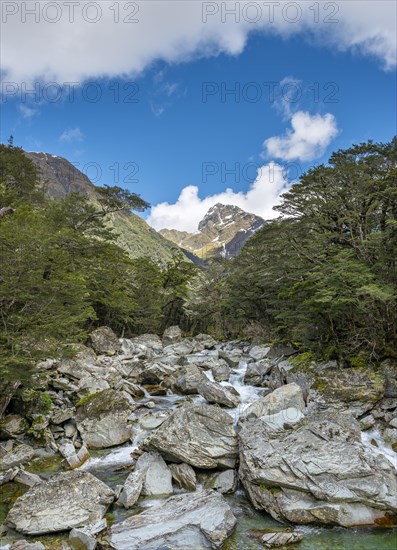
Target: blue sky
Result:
[[170, 125]]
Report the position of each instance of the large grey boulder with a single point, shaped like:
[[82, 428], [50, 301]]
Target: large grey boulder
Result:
[[198, 434], [259, 352], [25, 545], [286, 397], [157, 478], [13, 425], [74, 458], [184, 476], [220, 370], [19, 454], [131, 490], [215, 393], [317, 471], [104, 341], [192, 520], [156, 372], [257, 371], [225, 482], [172, 335], [186, 380], [67, 500], [102, 419]]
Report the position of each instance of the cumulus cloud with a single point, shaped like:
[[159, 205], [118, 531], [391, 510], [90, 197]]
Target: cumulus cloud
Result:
[[73, 42], [186, 213], [27, 112], [307, 139], [72, 135]]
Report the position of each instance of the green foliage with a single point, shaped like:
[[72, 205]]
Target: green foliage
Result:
[[62, 273], [324, 274]]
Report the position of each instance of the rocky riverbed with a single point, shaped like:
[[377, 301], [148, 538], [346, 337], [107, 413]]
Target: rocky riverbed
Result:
[[150, 443]]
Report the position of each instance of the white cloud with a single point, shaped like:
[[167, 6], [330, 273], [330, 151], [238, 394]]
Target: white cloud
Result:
[[307, 139], [72, 135], [27, 112], [173, 31], [186, 213]]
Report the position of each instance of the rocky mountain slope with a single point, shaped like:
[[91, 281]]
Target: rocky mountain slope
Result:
[[60, 177], [223, 231]]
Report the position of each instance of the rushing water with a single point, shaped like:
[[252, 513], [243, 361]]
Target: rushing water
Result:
[[112, 467]]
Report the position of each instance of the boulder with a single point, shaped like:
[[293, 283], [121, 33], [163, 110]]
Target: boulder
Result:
[[79, 539], [354, 389], [215, 393], [102, 419], [132, 489], [67, 500], [25, 545], [317, 471], [19, 454], [73, 458], [257, 371], [192, 520], [198, 434], [275, 540], [224, 482], [286, 397], [104, 341], [13, 425], [184, 476], [26, 478], [172, 335], [259, 352], [156, 373], [148, 341], [186, 380], [232, 357], [157, 478], [220, 370], [204, 341]]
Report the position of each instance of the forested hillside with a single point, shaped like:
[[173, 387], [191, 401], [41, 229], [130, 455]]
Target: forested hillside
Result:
[[62, 272], [323, 275]]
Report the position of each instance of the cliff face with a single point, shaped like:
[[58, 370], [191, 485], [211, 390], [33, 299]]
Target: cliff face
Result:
[[59, 177], [223, 231]]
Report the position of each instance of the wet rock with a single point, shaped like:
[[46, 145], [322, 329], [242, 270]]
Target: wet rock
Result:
[[152, 420], [220, 370], [74, 459], [318, 472], [259, 352], [204, 341], [231, 357], [182, 348], [26, 478], [102, 419], [150, 341], [13, 425], [353, 389], [104, 341], [286, 397], [172, 335], [184, 476], [59, 416], [256, 372], [275, 540], [25, 545], [224, 482], [67, 500], [131, 490], [192, 520], [18, 455], [185, 380], [157, 478], [156, 373], [198, 434], [215, 393], [367, 422], [79, 539]]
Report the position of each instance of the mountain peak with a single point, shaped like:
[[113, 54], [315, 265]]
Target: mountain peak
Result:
[[223, 231]]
